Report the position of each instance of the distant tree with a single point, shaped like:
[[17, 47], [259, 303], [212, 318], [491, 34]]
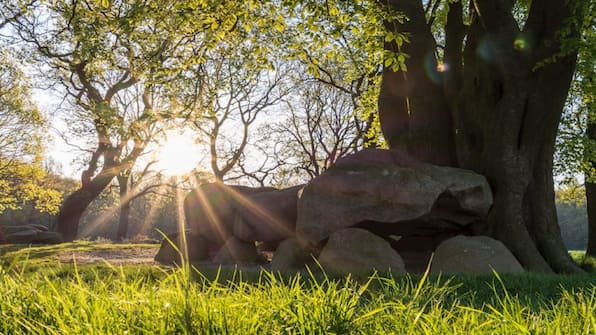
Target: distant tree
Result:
[[21, 143], [30, 209], [576, 143], [321, 126], [225, 95]]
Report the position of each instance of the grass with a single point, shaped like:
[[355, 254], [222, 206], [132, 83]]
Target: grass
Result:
[[105, 299]]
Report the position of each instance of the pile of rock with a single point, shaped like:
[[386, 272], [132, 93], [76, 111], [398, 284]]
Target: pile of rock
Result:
[[28, 234], [376, 209]]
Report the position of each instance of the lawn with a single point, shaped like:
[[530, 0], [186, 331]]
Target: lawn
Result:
[[45, 293]]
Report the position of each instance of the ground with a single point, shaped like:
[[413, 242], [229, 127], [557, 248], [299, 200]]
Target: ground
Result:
[[84, 252]]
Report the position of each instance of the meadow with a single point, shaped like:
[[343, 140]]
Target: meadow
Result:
[[41, 293]]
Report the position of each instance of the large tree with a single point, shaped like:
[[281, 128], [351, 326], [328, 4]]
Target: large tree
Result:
[[485, 86], [98, 51]]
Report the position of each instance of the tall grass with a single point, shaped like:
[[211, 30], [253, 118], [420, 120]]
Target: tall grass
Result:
[[183, 301]]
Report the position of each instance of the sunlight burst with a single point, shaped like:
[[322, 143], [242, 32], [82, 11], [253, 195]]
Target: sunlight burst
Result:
[[178, 155]]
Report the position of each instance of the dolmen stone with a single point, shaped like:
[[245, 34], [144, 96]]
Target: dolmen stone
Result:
[[236, 251], [30, 234], [389, 186], [267, 216], [210, 209], [290, 256], [474, 254], [357, 251], [173, 252]]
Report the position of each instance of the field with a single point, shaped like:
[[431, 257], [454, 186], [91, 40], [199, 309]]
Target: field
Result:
[[115, 289]]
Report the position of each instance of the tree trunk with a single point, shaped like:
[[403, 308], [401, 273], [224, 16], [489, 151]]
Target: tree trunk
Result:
[[591, 196], [124, 218], [504, 110], [76, 203]]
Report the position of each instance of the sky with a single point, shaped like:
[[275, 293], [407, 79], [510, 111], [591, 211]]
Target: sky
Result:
[[178, 155]]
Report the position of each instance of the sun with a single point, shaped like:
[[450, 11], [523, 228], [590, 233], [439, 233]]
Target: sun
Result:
[[178, 155]]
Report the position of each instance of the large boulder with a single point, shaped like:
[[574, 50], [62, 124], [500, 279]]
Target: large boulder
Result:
[[236, 251], [171, 251], [290, 257], [267, 216], [389, 186], [357, 251], [210, 209], [474, 254], [30, 234]]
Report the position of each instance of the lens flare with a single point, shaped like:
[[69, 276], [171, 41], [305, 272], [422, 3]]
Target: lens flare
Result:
[[521, 43], [443, 67], [486, 50], [430, 67]]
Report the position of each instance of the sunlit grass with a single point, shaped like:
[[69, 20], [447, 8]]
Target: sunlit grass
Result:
[[587, 262], [148, 299]]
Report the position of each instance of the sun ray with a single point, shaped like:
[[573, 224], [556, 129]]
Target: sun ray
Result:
[[212, 218], [149, 219], [100, 222], [261, 213], [180, 220]]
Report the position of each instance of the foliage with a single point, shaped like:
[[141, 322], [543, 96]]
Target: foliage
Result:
[[341, 44], [575, 150], [21, 126], [25, 182], [21, 123]]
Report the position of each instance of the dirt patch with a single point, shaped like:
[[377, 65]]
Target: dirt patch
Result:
[[119, 256]]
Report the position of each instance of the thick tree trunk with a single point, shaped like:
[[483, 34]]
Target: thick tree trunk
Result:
[[591, 198], [410, 115], [504, 112], [591, 206], [124, 218], [77, 202]]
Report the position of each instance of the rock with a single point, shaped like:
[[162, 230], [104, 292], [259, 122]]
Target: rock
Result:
[[235, 251], [267, 216], [290, 257], [22, 237], [389, 186], [198, 249], [358, 251], [27, 227], [38, 226], [33, 236], [474, 254], [49, 237], [210, 209]]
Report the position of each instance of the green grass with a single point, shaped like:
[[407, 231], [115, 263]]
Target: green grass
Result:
[[104, 299], [588, 263]]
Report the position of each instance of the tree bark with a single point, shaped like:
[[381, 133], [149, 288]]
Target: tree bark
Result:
[[499, 104], [124, 217], [591, 197], [411, 116], [76, 203]]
